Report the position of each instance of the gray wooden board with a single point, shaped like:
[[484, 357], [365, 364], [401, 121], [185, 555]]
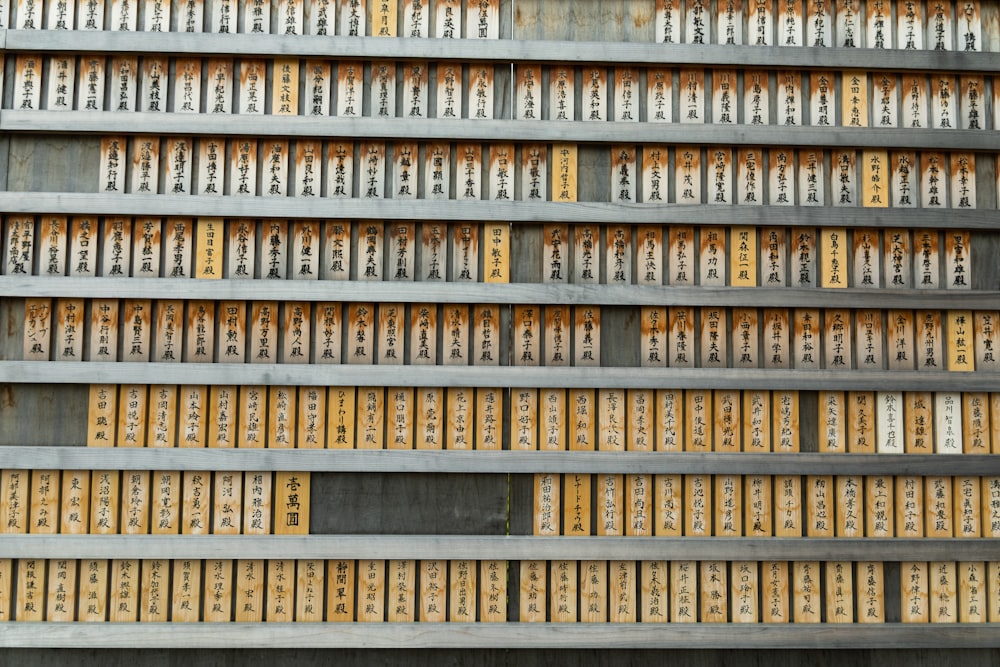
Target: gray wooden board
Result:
[[501, 657], [413, 504], [39, 163], [15, 120], [495, 547], [21, 372], [64, 407], [351, 489], [504, 50], [511, 211], [518, 293]]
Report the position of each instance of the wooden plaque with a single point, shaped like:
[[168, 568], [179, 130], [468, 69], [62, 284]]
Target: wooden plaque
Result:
[[909, 27], [811, 179], [963, 180], [957, 270], [533, 594], [839, 592], [593, 591], [832, 418], [667, 23], [90, 86], [820, 505], [692, 93], [822, 99], [340, 418], [62, 583], [870, 595], [943, 102], [250, 577], [563, 591], [775, 328], [868, 335], [885, 108], [756, 98], [562, 104], [659, 95], [353, 18], [401, 582], [430, 418], [481, 91], [668, 508], [914, 590], [698, 420], [371, 590], [723, 95], [371, 418], [227, 496], [432, 594], [653, 598], [683, 591], [219, 591], [806, 332], [252, 417], [744, 588], [833, 252], [943, 578], [279, 605], [806, 597], [696, 22], [448, 19], [59, 15], [402, 248], [787, 505], [104, 326], [986, 343], [282, 409]]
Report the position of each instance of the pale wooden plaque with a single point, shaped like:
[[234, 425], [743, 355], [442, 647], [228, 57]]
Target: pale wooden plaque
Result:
[[279, 605], [760, 23], [659, 95], [37, 344], [943, 102], [680, 338], [811, 178], [178, 158], [60, 90], [820, 505], [59, 15], [822, 99], [756, 98], [777, 348], [806, 335], [28, 82], [909, 26], [305, 251], [692, 93], [402, 580], [696, 22], [943, 590], [90, 15], [668, 24], [353, 18], [724, 82], [432, 594], [113, 166], [806, 599], [729, 22], [371, 418], [781, 179], [465, 252], [885, 108]]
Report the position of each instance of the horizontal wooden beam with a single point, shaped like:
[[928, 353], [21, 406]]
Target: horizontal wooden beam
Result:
[[495, 547], [519, 293], [493, 462], [75, 203], [112, 122], [499, 635], [497, 51], [65, 372]]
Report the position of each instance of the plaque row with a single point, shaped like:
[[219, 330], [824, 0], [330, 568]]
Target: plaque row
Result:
[[459, 418], [462, 418], [708, 591], [779, 176], [823, 98], [159, 590], [138, 502], [875, 24], [287, 332], [248, 166], [455, 90], [767, 505], [301, 332], [279, 87], [471, 19], [212, 248], [746, 256]]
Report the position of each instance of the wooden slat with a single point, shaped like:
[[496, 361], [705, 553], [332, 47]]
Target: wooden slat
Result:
[[634, 462], [527, 211], [491, 547]]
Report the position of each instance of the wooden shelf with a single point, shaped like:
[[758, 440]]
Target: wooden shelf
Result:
[[620, 377], [499, 635], [497, 547], [387, 291], [436, 129], [77, 203], [494, 462], [497, 51]]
